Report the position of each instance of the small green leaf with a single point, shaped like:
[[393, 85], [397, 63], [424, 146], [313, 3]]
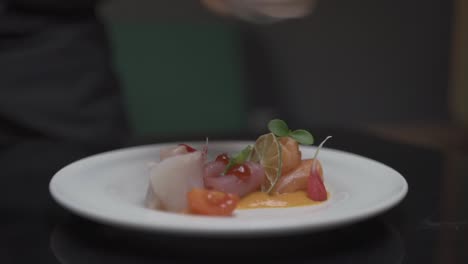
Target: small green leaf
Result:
[[239, 159], [278, 127], [243, 155], [302, 137]]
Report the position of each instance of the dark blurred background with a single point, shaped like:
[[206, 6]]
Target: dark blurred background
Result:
[[396, 68], [359, 64]]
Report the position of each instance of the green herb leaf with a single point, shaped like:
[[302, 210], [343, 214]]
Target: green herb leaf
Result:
[[278, 127], [302, 137], [239, 159]]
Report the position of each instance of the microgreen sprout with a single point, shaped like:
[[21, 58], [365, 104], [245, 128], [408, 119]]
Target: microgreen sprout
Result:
[[239, 159], [280, 129]]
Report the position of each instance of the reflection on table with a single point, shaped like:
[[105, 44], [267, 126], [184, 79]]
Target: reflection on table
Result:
[[78, 241]]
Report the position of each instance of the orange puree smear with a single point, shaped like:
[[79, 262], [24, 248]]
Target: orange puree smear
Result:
[[264, 200]]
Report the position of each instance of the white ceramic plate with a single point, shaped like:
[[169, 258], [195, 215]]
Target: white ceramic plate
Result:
[[111, 187]]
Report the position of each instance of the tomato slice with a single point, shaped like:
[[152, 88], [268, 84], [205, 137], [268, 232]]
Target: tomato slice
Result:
[[211, 202]]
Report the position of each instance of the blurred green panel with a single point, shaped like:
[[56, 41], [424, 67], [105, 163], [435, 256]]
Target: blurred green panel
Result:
[[180, 79]]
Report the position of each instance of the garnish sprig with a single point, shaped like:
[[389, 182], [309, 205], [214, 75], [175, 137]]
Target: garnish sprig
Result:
[[281, 129], [239, 159], [320, 147]]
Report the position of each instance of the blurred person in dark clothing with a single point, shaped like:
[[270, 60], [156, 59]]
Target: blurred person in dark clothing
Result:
[[56, 77]]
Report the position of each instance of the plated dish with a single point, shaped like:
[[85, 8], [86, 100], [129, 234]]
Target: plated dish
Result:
[[271, 173], [113, 188]]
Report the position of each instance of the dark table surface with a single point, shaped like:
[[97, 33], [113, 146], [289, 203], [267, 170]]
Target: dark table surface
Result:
[[429, 226]]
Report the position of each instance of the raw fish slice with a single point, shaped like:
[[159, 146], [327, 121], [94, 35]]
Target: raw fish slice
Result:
[[296, 180], [290, 154], [231, 183], [173, 178], [172, 151]]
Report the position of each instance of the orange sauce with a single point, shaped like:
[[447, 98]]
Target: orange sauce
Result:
[[264, 200]]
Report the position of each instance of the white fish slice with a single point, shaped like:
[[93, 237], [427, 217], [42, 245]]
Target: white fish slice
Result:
[[172, 151], [171, 180]]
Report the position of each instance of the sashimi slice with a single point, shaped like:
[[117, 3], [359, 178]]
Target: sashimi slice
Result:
[[296, 180], [230, 183], [290, 154], [171, 180], [172, 151]]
